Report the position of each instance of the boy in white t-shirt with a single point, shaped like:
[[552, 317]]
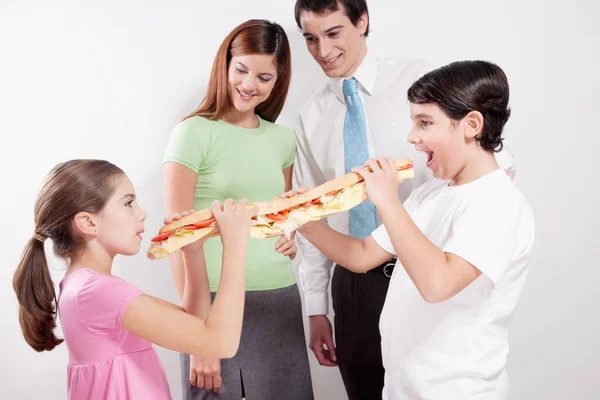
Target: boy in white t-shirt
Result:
[[463, 242]]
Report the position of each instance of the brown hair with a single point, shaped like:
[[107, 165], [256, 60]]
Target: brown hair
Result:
[[255, 36], [71, 187]]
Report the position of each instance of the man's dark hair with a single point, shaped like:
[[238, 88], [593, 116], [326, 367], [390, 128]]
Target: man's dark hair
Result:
[[353, 9], [465, 86]]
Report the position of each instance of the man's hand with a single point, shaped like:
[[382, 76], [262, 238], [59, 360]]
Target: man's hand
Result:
[[286, 246], [322, 334], [206, 374], [382, 182]]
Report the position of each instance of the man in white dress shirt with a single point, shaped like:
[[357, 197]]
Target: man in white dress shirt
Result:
[[360, 113]]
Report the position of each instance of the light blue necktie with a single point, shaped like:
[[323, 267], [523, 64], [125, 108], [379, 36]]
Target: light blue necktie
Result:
[[356, 152]]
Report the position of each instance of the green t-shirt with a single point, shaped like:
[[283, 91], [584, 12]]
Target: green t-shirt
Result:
[[234, 162]]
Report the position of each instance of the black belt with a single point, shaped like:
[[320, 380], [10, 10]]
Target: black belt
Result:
[[385, 269]]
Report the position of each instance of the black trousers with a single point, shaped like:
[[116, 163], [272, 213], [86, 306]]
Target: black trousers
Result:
[[357, 302]]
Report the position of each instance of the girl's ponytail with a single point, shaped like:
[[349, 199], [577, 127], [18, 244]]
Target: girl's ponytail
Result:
[[35, 292]]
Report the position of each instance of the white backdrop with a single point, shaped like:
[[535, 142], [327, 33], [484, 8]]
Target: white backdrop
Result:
[[110, 80]]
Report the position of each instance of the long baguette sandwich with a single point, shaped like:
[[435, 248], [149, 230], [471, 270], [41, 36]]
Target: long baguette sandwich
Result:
[[275, 217]]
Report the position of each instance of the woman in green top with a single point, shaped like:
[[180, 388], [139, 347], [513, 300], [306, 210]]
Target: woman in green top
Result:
[[231, 147]]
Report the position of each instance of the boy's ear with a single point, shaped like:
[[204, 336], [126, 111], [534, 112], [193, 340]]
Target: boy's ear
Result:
[[474, 124], [85, 224]]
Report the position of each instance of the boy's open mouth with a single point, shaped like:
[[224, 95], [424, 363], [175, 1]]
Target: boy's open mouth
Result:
[[430, 157]]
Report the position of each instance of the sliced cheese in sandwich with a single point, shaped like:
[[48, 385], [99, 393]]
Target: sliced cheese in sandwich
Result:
[[344, 200]]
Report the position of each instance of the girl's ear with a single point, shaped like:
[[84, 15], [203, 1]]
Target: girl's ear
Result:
[[85, 224]]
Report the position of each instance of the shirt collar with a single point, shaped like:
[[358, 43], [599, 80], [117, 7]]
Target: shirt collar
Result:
[[364, 74]]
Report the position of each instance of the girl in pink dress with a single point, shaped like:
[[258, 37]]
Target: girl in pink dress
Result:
[[88, 209]]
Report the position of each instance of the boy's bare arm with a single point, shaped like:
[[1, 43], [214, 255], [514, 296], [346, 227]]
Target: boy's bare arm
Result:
[[437, 275], [353, 254]]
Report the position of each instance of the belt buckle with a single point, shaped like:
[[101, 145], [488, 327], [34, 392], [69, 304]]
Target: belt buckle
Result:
[[388, 268]]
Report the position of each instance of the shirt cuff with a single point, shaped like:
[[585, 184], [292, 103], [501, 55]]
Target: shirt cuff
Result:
[[316, 303]]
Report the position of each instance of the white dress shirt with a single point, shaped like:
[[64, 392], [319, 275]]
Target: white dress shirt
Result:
[[382, 87]]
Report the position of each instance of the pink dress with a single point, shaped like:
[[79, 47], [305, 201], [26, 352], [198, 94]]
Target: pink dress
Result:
[[106, 361]]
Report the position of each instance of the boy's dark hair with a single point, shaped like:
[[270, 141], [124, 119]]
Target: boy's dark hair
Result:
[[353, 9], [465, 86]]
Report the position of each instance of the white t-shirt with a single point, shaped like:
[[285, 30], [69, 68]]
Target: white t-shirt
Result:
[[457, 349]]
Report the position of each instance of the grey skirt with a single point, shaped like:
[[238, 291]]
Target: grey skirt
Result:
[[272, 361]]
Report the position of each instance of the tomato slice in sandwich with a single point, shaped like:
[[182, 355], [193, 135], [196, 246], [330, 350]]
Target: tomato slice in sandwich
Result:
[[203, 224], [198, 225], [161, 237], [281, 216], [318, 199]]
